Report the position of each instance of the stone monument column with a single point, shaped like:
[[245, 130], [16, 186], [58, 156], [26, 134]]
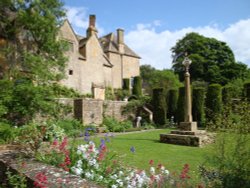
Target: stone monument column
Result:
[[188, 124], [188, 103]]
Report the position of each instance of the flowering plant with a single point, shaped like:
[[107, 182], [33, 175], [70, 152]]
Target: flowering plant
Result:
[[56, 154]]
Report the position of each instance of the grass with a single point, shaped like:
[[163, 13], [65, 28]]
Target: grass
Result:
[[147, 147]]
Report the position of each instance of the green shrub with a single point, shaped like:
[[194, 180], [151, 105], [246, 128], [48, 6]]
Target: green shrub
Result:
[[137, 88], [213, 101], [172, 100], [198, 105], [71, 127], [126, 84], [227, 95], [112, 124], [247, 90], [126, 124], [7, 133], [109, 94], [159, 106], [181, 105], [230, 156], [120, 94]]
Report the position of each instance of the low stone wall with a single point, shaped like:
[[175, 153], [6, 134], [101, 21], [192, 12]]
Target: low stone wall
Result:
[[92, 110], [114, 109], [56, 177]]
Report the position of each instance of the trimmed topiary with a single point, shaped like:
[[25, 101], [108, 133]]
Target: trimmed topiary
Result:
[[213, 101], [159, 106], [137, 88], [198, 105], [126, 85], [180, 105], [172, 100], [247, 90], [227, 95]]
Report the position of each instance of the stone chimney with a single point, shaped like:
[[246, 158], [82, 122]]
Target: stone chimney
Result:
[[91, 29], [120, 40]]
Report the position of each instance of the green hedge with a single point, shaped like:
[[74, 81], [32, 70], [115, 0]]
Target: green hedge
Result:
[[172, 100], [247, 90], [198, 105], [227, 95], [126, 84], [159, 106], [137, 88], [213, 101], [180, 105]]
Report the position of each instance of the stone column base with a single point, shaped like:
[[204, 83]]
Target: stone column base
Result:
[[188, 126]]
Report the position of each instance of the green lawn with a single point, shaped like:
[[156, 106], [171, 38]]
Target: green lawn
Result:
[[147, 147]]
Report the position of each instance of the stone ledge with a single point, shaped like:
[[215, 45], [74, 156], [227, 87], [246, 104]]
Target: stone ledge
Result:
[[29, 167], [200, 139], [187, 140]]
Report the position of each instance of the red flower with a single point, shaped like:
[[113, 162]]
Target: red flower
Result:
[[151, 162], [41, 180], [159, 166]]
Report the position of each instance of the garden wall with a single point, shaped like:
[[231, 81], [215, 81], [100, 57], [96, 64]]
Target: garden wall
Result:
[[92, 110], [31, 169]]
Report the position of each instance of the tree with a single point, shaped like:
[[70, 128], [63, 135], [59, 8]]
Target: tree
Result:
[[153, 78], [31, 58], [212, 60], [29, 31]]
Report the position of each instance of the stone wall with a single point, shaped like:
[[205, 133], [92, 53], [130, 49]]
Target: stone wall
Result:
[[29, 168], [92, 110], [114, 109]]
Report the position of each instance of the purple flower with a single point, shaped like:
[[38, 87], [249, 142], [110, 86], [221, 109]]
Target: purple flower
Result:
[[102, 144], [132, 149], [86, 133], [86, 138], [107, 139]]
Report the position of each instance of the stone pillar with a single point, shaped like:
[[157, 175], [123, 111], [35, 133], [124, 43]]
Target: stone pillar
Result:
[[188, 124], [188, 103]]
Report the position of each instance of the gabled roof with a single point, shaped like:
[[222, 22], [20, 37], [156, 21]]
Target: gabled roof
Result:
[[109, 44]]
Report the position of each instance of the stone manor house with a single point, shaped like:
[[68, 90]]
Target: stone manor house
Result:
[[95, 63]]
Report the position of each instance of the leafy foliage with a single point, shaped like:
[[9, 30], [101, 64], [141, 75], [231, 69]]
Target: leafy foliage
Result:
[[137, 88], [230, 158], [159, 106], [213, 101], [29, 29], [152, 78], [212, 60], [172, 100], [247, 90], [198, 105], [180, 105]]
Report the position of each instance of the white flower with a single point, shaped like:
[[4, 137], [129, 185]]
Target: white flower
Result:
[[113, 176], [121, 173], [114, 186], [77, 171], [127, 179], [152, 170], [92, 162], [96, 166], [166, 172]]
